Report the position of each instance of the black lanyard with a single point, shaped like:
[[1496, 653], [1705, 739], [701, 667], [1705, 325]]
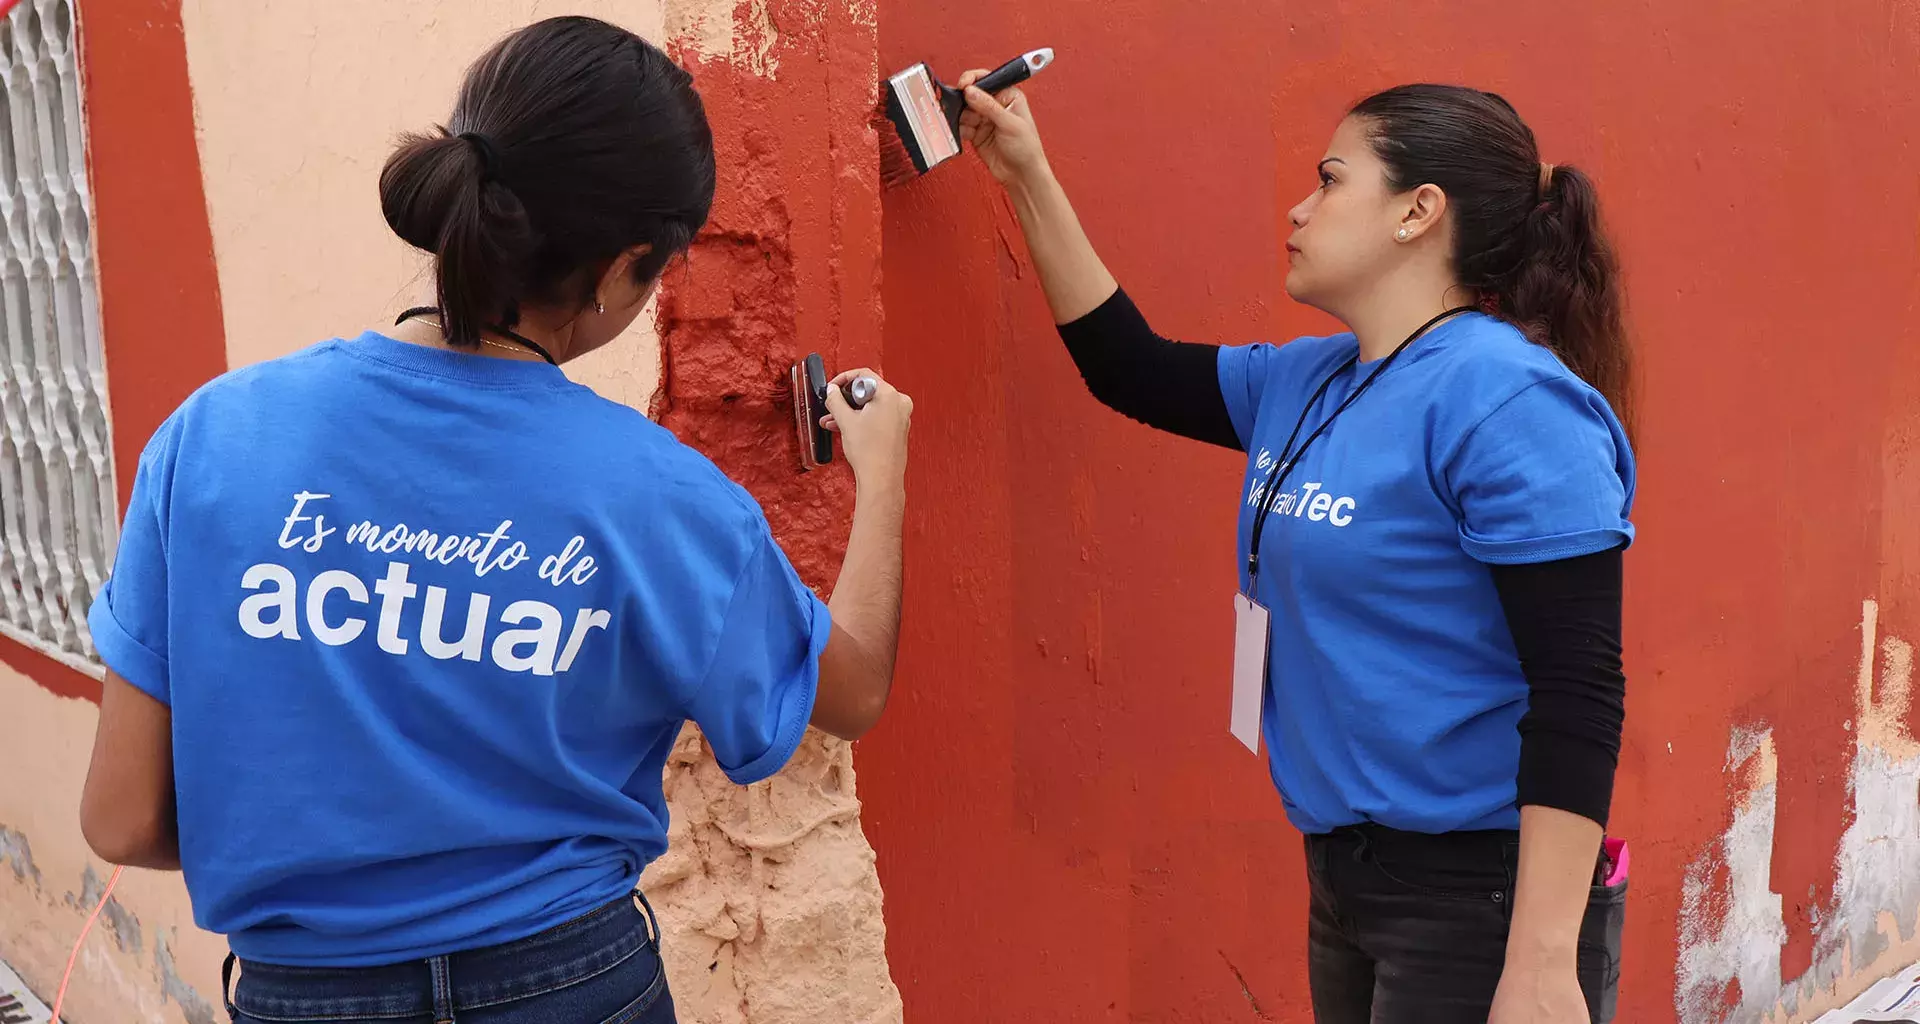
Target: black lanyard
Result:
[[526, 343], [1290, 458]]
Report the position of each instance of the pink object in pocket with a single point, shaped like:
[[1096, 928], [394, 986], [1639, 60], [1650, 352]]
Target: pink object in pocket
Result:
[[1618, 856]]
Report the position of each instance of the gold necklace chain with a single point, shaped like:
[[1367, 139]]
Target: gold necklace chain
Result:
[[484, 340], [510, 348]]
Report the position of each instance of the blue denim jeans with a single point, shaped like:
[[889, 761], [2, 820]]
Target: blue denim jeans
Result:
[[601, 968]]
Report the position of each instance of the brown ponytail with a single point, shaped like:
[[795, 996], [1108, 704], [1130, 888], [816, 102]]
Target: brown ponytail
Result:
[[437, 196], [1527, 236], [1565, 292]]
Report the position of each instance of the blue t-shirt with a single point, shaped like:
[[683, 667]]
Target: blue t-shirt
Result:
[[429, 624], [1393, 688]]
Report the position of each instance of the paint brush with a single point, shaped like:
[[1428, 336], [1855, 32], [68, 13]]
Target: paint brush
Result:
[[809, 384], [918, 117]]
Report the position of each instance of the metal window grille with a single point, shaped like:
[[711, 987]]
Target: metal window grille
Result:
[[57, 500]]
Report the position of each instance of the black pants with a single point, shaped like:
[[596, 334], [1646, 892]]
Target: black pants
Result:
[[1412, 929]]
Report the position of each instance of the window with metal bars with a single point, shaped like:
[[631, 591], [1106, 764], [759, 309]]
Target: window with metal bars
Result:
[[57, 501]]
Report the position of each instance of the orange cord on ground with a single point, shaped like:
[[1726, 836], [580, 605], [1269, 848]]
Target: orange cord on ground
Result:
[[60, 997]]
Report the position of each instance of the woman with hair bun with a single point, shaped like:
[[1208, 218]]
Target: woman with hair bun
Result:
[[402, 627]]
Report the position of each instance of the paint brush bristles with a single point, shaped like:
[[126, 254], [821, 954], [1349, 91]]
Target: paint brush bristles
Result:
[[918, 117], [896, 165]]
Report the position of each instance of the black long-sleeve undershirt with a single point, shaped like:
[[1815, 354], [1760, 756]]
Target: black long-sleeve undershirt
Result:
[[1168, 385], [1564, 615], [1565, 620]]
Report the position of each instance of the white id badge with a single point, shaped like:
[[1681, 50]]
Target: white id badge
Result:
[[1249, 669]]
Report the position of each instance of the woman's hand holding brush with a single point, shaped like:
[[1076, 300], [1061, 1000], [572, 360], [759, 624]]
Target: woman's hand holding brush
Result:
[[1002, 131]]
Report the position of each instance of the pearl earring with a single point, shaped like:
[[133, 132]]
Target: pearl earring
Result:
[[600, 308], [1402, 235]]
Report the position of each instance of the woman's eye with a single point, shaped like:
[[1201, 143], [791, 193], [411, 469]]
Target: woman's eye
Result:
[[1325, 180]]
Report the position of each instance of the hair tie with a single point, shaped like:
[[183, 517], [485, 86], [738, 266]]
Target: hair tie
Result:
[[489, 155], [1546, 178]]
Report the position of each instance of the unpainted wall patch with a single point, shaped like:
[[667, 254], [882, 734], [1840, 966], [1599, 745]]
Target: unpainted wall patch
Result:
[[17, 853], [116, 918], [739, 32], [193, 1005], [1731, 924]]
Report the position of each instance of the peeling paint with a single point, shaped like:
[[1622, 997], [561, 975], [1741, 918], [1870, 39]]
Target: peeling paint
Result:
[[1731, 920], [17, 853], [742, 34], [703, 27], [1731, 924], [193, 1005], [1876, 894], [116, 919]]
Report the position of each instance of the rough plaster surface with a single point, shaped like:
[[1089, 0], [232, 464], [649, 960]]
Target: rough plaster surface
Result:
[[770, 892], [768, 895], [773, 910], [1732, 928]]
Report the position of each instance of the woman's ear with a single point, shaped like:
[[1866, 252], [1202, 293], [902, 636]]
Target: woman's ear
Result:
[[1425, 207], [617, 287]]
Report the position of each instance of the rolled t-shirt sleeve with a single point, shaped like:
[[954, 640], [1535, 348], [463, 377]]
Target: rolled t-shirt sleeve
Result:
[[1243, 373], [1546, 475], [757, 696], [128, 618]]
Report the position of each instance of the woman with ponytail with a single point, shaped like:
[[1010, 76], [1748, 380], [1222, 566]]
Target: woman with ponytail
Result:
[[1431, 528], [404, 626]]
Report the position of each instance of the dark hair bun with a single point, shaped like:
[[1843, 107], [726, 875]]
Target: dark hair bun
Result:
[[572, 142]]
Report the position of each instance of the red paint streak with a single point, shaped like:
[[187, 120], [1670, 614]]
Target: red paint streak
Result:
[[54, 676], [1054, 794], [159, 293], [159, 290], [787, 265]]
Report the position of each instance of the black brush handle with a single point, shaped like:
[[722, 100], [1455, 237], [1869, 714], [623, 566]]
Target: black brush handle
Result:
[[816, 384], [1009, 74]]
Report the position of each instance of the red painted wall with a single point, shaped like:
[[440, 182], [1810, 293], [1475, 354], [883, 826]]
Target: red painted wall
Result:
[[1066, 831], [788, 264], [159, 291]]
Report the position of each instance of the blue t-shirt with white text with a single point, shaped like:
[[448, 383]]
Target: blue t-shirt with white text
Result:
[[1394, 691], [429, 624]]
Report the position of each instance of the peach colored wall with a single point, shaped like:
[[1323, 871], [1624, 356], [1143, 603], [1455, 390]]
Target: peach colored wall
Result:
[[768, 895], [145, 961], [296, 106]]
